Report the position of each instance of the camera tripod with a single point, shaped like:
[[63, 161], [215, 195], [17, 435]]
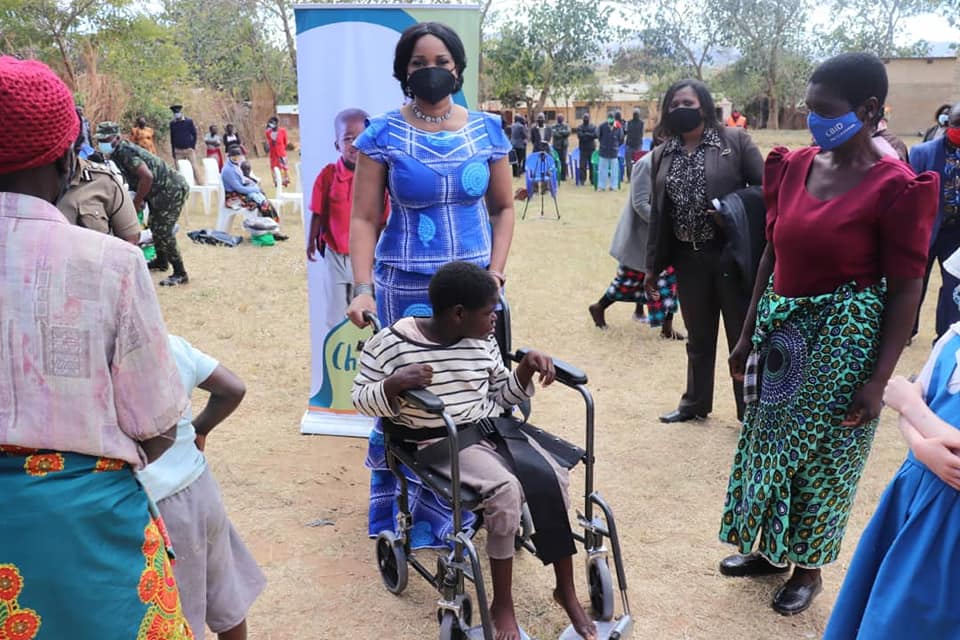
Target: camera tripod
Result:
[[541, 176]]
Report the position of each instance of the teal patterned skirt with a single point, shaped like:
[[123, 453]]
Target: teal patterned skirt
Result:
[[796, 468], [82, 555]]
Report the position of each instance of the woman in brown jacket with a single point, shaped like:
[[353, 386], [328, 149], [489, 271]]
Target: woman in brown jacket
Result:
[[700, 161]]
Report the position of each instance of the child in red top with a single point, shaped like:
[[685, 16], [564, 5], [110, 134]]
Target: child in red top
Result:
[[331, 203]]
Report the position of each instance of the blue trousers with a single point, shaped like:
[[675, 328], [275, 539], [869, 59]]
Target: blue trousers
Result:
[[608, 170], [942, 247]]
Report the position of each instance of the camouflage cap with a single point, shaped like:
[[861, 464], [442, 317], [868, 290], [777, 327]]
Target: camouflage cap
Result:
[[107, 130]]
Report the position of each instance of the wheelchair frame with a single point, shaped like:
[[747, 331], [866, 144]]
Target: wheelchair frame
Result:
[[462, 563]]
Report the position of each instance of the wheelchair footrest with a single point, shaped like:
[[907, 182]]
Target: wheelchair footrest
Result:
[[613, 630], [476, 633]]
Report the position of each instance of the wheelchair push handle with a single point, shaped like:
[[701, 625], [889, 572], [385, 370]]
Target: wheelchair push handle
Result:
[[373, 320], [567, 374]]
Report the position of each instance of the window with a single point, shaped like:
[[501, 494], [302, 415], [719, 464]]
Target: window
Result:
[[582, 111]]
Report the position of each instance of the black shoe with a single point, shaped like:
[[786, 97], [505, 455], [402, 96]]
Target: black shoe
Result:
[[792, 599], [174, 280], [753, 564], [680, 416], [156, 265], [279, 237]]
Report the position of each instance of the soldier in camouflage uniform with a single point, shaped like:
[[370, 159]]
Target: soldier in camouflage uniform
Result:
[[157, 184]]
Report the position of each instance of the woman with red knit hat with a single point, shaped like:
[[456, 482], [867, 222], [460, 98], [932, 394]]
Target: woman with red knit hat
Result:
[[88, 392]]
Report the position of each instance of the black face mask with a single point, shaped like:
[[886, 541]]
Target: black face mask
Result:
[[431, 84], [684, 119]]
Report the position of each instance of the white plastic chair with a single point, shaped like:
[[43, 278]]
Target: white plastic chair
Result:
[[226, 214], [285, 196], [211, 174], [205, 190]]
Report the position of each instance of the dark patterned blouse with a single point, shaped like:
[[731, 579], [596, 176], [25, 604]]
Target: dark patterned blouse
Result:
[[687, 188]]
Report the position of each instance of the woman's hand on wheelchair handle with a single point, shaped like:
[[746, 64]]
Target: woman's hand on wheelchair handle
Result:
[[358, 306], [536, 362]]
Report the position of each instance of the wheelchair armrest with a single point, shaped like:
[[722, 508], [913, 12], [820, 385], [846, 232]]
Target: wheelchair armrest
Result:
[[423, 400], [567, 374]]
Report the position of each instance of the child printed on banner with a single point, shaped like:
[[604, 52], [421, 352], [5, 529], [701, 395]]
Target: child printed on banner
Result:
[[217, 576], [331, 203]]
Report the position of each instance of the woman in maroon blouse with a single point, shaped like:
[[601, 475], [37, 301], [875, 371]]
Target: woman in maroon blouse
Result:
[[848, 232]]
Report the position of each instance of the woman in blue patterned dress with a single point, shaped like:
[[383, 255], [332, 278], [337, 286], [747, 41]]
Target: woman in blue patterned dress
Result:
[[448, 176]]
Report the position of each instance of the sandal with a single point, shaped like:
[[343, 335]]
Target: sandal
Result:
[[673, 335]]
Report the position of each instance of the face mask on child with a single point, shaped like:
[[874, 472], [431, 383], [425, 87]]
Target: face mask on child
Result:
[[943, 119]]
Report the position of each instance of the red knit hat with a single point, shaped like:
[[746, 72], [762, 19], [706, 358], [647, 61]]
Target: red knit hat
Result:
[[39, 118]]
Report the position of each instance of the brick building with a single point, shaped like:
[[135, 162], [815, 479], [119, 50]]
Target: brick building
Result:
[[917, 87]]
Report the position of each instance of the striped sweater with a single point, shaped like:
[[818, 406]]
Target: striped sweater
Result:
[[469, 376]]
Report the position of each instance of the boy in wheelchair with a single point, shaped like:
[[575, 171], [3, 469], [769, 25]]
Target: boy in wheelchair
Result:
[[455, 356]]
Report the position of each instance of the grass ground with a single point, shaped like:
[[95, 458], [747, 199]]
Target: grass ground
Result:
[[247, 307]]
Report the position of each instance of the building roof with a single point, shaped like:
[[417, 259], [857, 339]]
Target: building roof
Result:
[[288, 110]]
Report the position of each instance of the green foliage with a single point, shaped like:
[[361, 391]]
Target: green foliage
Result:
[[547, 48], [771, 37], [152, 78], [875, 27], [676, 40]]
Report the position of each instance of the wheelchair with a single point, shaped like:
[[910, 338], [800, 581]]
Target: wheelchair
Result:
[[455, 608]]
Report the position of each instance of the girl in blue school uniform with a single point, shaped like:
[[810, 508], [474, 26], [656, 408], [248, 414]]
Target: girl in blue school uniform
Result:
[[905, 576]]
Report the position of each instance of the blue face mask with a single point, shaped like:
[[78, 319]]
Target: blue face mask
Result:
[[105, 147], [830, 133]]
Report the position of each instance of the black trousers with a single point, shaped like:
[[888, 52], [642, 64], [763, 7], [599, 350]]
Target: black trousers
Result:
[[585, 167], [562, 152], [708, 286], [521, 166]]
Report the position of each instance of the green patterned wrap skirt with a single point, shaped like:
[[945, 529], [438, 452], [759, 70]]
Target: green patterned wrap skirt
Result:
[[796, 468]]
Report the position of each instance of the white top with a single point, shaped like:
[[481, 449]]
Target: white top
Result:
[[182, 463], [953, 385]]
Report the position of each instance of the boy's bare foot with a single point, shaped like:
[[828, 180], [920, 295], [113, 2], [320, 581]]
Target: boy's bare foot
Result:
[[582, 623], [504, 620]]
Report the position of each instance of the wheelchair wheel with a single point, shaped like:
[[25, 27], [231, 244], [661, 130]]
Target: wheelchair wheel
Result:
[[601, 588], [466, 613], [450, 627], [392, 562]]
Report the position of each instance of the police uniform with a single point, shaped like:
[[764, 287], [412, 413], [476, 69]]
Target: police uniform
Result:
[[96, 199], [166, 198]]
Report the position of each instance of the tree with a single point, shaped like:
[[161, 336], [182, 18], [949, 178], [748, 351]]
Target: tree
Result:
[[547, 47], [32, 26], [282, 10], [875, 27], [767, 33], [677, 40], [226, 48]]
